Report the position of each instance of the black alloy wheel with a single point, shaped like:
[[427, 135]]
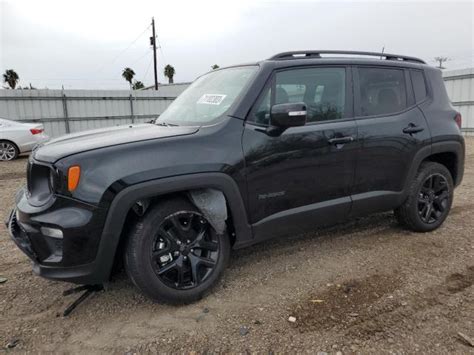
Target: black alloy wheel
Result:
[[184, 252], [429, 198], [434, 197], [173, 254]]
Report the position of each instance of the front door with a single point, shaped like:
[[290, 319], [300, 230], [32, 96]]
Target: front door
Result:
[[303, 176]]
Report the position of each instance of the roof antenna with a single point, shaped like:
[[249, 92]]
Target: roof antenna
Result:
[[383, 50]]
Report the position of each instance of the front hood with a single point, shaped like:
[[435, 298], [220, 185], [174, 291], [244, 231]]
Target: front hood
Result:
[[105, 137]]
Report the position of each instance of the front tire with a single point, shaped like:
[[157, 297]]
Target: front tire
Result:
[[174, 255], [429, 199]]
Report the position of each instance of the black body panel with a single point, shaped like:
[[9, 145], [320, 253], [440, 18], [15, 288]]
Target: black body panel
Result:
[[296, 169], [275, 181]]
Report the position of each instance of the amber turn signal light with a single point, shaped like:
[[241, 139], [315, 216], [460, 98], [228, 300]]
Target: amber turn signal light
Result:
[[73, 175]]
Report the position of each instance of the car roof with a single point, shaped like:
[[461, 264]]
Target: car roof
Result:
[[317, 54], [338, 57], [342, 61]]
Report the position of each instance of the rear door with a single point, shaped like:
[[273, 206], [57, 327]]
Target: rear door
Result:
[[392, 129], [303, 176]]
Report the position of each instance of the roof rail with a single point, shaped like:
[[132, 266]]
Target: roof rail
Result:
[[317, 54]]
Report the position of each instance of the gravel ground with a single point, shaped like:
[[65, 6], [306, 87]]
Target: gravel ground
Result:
[[364, 286]]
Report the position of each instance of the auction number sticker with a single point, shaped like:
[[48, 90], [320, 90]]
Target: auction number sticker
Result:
[[211, 99]]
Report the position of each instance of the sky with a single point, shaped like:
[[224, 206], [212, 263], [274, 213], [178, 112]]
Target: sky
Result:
[[84, 44]]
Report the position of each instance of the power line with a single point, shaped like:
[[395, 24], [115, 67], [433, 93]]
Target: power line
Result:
[[141, 57], [147, 69], [161, 48], [124, 50]]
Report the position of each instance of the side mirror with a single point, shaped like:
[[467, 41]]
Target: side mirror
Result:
[[288, 115]]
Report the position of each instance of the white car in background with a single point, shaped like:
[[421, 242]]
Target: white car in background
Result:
[[18, 138]]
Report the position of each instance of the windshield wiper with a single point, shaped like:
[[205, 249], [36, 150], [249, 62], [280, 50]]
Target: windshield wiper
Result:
[[164, 124]]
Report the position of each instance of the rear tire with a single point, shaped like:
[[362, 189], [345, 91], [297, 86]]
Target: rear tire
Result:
[[429, 199], [174, 255], [8, 150]]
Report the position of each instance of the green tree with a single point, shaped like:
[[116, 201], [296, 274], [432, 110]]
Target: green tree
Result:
[[11, 78], [169, 73], [128, 75], [215, 66], [137, 85]]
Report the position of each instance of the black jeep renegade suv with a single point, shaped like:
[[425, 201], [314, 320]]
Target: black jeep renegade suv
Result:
[[246, 153]]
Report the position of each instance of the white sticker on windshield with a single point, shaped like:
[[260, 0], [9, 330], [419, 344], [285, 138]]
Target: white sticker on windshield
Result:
[[211, 99]]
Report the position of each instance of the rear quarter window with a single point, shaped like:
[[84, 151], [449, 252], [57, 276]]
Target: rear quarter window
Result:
[[419, 85]]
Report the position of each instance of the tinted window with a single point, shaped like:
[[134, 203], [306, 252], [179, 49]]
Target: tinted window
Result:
[[419, 86], [289, 93], [382, 91], [321, 89]]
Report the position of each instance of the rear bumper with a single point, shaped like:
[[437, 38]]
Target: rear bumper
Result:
[[30, 145], [68, 257]]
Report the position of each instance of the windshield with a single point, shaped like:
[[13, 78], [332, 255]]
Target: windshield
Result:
[[208, 97]]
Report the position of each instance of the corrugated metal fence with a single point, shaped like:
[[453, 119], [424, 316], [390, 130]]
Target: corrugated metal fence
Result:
[[64, 111], [460, 87], [68, 111]]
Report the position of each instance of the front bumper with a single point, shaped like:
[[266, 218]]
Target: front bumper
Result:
[[69, 256], [19, 236]]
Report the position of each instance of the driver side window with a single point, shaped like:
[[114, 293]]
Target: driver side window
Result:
[[321, 89]]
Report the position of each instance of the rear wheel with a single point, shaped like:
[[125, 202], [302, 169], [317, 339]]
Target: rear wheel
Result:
[[174, 254], [8, 151], [430, 199]]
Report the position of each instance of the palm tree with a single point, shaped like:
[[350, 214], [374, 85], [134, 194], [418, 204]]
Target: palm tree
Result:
[[137, 85], [128, 75], [11, 78], [214, 67], [169, 73]]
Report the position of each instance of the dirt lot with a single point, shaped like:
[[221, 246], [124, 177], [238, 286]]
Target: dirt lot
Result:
[[365, 286]]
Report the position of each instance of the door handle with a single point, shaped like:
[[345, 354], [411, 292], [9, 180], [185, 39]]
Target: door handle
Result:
[[341, 140], [411, 129]]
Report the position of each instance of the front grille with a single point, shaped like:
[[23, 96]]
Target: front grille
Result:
[[28, 176], [39, 189]]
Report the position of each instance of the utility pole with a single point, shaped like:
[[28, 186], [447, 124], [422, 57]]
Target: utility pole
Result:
[[153, 43], [441, 60]]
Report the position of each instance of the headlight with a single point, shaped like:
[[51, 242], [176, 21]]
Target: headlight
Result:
[[52, 179]]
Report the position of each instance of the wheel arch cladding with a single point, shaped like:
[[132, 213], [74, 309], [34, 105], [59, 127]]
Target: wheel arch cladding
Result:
[[449, 160], [449, 154], [125, 199]]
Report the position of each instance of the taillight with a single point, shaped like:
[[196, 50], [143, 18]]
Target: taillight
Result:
[[36, 131], [458, 119]]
